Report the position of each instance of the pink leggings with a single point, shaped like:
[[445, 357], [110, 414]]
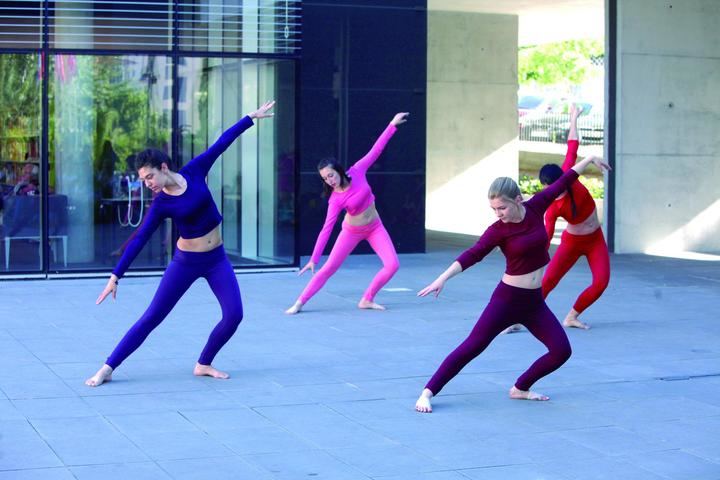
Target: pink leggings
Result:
[[378, 238]]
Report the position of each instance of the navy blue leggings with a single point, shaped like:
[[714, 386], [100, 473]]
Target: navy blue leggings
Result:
[[510, 305], [183, 270]]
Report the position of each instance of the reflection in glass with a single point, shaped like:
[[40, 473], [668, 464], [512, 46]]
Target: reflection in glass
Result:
[[253, 183], [20, 179], [102, 111]]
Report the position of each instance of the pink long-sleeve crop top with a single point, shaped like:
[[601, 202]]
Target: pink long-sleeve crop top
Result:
[[524, 244], [357, 198]]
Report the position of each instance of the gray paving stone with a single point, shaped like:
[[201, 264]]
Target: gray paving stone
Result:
[[230, 468], [313, 464], [676, 465], [258, 440], [179, 445], [22, 448], [38, 474], [386, 460], [120, 471], [64, 407]]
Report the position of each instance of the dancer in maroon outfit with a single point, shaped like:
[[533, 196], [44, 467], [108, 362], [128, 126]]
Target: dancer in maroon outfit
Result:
[[520, 234]]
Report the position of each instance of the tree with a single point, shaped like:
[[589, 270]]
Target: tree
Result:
[[570, 62]]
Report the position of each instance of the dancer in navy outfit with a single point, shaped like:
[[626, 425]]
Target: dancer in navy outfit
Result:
[[185, 197]]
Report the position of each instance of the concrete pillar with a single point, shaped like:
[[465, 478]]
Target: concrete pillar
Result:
[[471, 116], [667, 198]]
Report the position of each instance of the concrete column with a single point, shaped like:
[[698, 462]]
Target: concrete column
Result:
[[471, 116], [667, 198]]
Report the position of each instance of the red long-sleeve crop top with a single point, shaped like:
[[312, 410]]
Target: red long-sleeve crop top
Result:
[[562, 207]]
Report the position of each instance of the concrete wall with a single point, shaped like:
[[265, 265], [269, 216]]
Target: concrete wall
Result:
[[667, 171], [471, 116]]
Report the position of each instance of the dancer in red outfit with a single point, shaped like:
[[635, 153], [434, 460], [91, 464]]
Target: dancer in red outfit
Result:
[[582, 237]]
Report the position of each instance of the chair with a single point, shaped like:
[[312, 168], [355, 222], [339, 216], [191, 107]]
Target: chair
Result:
[[22, 221]]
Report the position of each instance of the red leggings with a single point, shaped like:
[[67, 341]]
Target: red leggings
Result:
[[571, 248]]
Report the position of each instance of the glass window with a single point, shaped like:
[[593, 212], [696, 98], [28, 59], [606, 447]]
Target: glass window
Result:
[[253, 183], [262, 26], [102, 111], [20, 175]]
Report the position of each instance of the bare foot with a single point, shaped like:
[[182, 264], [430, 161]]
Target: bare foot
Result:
[[102, 376], [209, 371], [512, 329], [297, 306], [517, 394], [367, 304], [423, 404], [572, 321]]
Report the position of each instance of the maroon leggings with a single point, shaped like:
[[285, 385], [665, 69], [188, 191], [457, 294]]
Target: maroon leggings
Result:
[[508, 306], [571, 248]]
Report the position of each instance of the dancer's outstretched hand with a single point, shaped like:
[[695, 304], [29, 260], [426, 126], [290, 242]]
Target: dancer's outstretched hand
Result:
[[575, 111], [399, 118], [310, 266], [435, 286], [111, 287], [262, 112], [600, 163]]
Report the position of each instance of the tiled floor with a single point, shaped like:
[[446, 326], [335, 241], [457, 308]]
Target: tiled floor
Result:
[[330, 393]]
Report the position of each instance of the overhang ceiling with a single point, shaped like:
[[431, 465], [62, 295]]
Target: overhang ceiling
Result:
[[540, 21]]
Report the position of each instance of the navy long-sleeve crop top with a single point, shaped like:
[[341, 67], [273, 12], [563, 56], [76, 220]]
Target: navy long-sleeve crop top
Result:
[[194, 211], [524, 244]]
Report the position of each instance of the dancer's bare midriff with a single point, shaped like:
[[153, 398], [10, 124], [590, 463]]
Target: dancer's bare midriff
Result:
[[209, 241], [586, 227], [529, 281], [363, 218]]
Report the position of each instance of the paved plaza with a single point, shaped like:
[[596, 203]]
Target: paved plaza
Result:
[[329, 393]]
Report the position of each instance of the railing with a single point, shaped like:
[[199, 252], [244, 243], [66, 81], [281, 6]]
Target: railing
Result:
[[553, 127]]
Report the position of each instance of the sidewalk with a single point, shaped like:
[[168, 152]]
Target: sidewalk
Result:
[[329, 393]]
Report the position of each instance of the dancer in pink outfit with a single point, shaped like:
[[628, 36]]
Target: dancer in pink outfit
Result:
[[350, 191]]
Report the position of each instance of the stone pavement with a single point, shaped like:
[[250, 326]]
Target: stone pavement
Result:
[[329, 393]]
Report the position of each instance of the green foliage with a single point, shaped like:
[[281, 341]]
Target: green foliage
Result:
[[19, 93], [560, 63], [530, 185], [19, 105], [595, 186]]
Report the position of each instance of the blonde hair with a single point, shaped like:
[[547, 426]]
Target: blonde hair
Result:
[[503, 187]]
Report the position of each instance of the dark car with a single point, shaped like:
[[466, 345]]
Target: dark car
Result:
[[554, 126]]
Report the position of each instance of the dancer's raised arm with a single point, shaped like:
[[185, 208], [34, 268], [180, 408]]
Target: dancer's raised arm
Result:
[[366, 162], [205, 160], [572, 142]]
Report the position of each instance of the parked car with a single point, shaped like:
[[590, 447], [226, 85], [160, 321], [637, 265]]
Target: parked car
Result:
[[553, 126], [531, 108]]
